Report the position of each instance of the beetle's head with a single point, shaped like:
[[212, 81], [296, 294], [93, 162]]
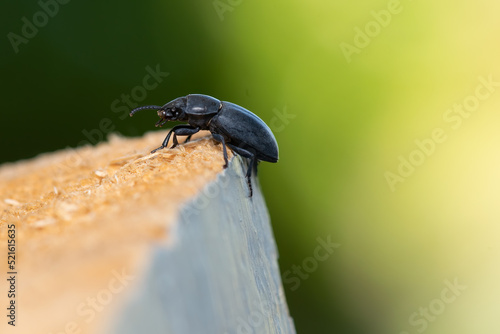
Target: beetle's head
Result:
[[172, 111]]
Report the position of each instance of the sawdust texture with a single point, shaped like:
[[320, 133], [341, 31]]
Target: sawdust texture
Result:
[[83, 214]]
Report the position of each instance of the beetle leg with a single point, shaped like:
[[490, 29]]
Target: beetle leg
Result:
[[220, 138], [252, 165], [183, 130], [178, 130], [165, 142], [187, 139]]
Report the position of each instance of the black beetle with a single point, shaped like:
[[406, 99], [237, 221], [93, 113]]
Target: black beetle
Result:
[[229, 123]]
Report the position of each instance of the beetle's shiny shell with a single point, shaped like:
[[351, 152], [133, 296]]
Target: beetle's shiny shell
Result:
[[243, 128]]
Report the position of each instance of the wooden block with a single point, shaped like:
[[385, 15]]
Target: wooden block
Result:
[[112, 239]]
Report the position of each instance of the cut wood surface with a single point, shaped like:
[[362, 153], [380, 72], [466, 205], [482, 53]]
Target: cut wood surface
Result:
[[113, 239]]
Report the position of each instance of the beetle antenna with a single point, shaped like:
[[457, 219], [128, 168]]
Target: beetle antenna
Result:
[[142, 108]]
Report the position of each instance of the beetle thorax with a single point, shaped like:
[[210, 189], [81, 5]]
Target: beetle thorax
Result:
[[199, 121]]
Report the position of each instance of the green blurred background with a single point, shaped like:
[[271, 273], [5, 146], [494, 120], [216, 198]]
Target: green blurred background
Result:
[[352, 90]]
